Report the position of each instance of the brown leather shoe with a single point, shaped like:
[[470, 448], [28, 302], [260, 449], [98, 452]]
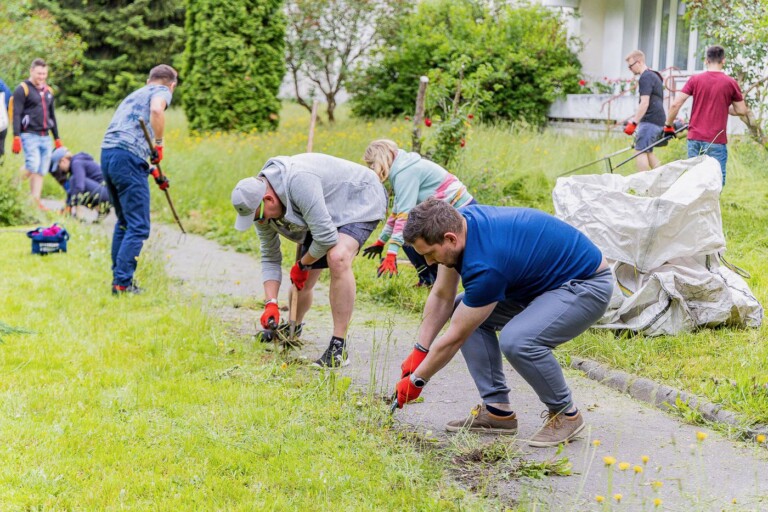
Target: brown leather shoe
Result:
[[558, 428], [480, 420]]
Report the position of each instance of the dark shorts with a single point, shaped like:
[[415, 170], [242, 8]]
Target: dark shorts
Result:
[[647, 134], [360, 231]]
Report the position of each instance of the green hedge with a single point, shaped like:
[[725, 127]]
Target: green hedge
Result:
[[233, 64]]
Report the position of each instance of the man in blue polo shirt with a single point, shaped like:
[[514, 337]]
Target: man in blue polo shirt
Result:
[[528, 275]]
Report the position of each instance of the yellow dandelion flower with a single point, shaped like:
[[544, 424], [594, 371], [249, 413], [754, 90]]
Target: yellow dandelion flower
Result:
[[638, 469], [475, 412], [645, 459], [617, 497], [657, 502], [609, 461], [599, 499], [284, 366], [760, 438], [237, 282], [656, 484], [624, 466], [700, 436], [596, 443]]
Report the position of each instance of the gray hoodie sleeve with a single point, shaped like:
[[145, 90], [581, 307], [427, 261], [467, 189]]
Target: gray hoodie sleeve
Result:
[[271, 257], [306, 193]]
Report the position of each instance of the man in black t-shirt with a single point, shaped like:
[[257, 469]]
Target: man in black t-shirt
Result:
[[649, 118]]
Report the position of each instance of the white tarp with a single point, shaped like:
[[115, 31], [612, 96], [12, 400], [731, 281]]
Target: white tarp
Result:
[[663, 233], [647, 218]]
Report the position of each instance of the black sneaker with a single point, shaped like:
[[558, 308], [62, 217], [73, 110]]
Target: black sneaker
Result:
[[131, 289], [335, 356]]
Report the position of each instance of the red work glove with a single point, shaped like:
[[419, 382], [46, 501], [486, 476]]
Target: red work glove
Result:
[[57, 143], [160, 179], [16, 147], [373, 251], [669, 131], [414, 359], [389, 265], [157, 155], [271, 311], [630, 128], [406, 392], [299, 276]]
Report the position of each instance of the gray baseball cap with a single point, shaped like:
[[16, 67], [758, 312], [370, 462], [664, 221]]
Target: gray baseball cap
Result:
[[56, 157], [246, 198]]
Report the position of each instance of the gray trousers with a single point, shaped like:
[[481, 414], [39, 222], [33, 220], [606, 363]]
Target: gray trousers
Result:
[[528, 333]]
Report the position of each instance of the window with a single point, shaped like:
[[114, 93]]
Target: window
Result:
[[666, 37]]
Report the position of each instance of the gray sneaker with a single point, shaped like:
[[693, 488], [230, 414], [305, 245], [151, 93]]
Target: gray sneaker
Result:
[[480, 420], [558, 428]]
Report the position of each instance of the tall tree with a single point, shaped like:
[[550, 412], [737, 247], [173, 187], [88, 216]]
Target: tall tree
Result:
[[326, 39], [233, 64], [742, 29], [27, 34], [125, 40]]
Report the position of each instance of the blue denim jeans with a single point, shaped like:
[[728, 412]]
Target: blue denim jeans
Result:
[[126, 177], [529, 333], [717, 151], [37, 152]]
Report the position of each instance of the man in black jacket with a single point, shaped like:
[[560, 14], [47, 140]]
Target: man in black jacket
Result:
[[33, 119]]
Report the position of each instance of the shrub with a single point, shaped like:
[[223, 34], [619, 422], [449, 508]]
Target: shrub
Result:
[[233, 64], [519, 56], [13, 209]]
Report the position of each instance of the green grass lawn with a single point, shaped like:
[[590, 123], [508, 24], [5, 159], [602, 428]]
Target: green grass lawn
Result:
[[146, 403]]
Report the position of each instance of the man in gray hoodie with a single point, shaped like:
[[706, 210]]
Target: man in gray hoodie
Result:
[[330, 206]]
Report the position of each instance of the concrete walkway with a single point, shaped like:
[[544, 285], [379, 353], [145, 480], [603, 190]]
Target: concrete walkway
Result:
[[713, 474]]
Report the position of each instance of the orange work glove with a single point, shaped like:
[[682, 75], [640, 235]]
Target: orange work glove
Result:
[[406, 392], [271, 311], [16, 147], [388, 266], [157, 155], [414, 359]]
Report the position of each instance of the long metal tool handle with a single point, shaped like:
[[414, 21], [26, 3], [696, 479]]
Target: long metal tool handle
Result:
[[294, 291], [664, 138], [167, 195]]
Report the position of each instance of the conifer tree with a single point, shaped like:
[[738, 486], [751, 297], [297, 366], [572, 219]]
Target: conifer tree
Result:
[[233, 64], [125, 40]]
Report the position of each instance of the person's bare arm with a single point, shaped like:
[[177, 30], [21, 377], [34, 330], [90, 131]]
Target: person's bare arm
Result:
[[675, 107], [157, 116], [463, 322], [738, 108], [439, 305], [642, 108]]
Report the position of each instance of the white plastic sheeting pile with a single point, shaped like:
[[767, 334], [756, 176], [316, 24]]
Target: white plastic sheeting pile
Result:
[[662, 231]]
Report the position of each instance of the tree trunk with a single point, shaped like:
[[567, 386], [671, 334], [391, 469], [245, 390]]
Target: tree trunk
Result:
[[331, 98]]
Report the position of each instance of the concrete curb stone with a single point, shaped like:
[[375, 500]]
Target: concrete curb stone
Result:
[[662, 396]]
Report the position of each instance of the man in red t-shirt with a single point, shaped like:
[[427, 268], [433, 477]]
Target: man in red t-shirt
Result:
[[715, 96]]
